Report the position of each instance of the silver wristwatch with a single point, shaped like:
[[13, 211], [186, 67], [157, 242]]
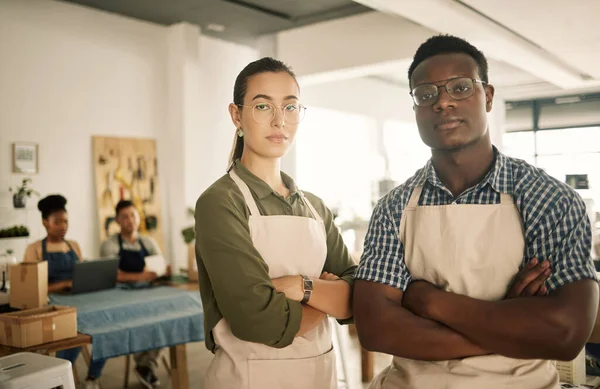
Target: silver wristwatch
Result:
[[307, 287]]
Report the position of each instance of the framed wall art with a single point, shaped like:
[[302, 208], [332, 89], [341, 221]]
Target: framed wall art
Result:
[[25, 158]]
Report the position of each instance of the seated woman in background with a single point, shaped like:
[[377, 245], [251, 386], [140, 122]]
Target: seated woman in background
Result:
[[61, 255]]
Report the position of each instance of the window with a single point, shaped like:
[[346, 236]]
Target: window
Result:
[[405, 150], [520, 145], [568, 141], [334, 160], [572, 151], [560, 153]]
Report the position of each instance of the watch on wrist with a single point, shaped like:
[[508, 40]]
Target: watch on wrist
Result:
[[307, 288]]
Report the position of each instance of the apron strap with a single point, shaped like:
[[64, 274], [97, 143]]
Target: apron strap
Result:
[[246, 192], [506, 199], [44, 250], [314, 212], [414, 198], [143, 248], [69, 245], [71, 250]]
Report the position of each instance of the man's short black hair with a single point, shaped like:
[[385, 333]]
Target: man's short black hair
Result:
[[448, 44], [122, 205]]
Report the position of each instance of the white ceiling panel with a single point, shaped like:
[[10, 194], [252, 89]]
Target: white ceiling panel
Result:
[[568, 29]]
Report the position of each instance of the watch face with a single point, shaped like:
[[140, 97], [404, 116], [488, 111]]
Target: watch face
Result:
[[308, 284]]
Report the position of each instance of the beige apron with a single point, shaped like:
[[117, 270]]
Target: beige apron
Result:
[[473, 250], [290, 245]]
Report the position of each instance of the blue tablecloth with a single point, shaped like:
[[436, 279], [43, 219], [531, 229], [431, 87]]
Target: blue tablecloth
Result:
[[122, 322]]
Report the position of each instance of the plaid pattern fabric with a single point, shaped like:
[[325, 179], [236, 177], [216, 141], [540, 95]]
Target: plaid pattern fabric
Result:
[[554, 216]]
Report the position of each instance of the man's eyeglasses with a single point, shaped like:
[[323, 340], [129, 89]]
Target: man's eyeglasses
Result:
[[458, 88], [264, 113]]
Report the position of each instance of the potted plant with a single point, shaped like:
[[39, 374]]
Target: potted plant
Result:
[[189, 233], [20, 193], [14, 232]]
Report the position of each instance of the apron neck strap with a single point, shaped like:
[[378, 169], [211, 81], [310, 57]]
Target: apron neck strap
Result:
[[506, 199], [44, 249], [69, 245], [414, 198], [245, 192], [312, 209]]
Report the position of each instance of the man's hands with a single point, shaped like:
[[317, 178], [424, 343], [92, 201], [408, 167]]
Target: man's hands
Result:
[[529, 282], [60, 286], [148, 276], [418, 297]]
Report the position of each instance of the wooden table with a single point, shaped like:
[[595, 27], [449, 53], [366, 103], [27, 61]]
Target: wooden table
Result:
[[178, 358], [189, 286], [49, 348], [179, 371]]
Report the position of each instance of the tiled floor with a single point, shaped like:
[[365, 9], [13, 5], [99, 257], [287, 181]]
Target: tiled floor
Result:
[[199, 358]]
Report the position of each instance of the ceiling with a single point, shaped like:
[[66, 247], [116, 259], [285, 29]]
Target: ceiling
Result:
[[241, 21], [535, 48], [501, 74], [510, 82], [568, 30]]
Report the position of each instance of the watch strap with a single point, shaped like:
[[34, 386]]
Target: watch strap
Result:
[[307, 291]]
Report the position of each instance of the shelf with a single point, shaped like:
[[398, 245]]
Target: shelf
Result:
[[11, 208]]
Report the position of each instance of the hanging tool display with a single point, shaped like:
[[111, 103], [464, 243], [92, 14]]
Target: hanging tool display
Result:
[[127, 169], [141, 170], [151, 222], [107, 197], [135, 199], [107, 222], [152, 189]]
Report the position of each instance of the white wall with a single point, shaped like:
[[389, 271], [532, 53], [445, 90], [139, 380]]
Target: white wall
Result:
[[497, 121], [363, 96], [68, 73], [210, 144]]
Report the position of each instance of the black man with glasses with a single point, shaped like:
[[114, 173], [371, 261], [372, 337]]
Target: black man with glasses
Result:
[[476, 272]]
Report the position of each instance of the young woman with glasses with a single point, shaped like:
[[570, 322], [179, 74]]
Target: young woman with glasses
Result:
[[271, 262]]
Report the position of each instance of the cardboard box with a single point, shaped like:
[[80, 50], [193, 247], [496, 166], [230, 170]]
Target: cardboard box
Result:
[[192, 264], [29, 285], [32, 327]]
